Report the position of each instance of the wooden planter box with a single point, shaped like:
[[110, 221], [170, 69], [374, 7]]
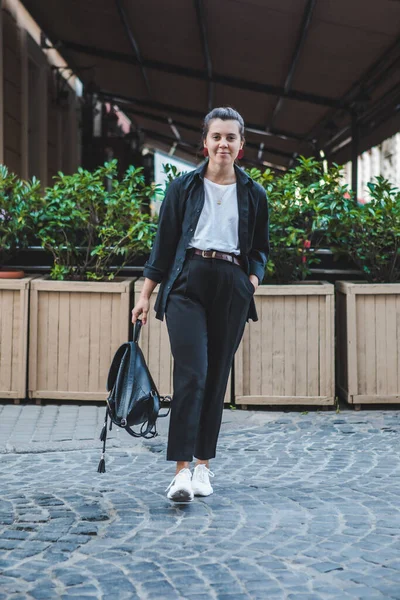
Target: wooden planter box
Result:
[[14, 299], [75, 329], [154, 342], [368, 342], [287, 356]]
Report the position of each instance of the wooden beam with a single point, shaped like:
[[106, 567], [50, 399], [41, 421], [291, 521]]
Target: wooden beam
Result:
[[235, 82]]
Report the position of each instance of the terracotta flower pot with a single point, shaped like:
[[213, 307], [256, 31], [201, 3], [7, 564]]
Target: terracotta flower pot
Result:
[[9, 274]]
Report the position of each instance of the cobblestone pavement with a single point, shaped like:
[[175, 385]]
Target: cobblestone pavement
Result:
[[306, 507]]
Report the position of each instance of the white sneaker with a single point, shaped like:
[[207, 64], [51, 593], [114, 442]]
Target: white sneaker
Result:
[[180, 488], [201, 481]]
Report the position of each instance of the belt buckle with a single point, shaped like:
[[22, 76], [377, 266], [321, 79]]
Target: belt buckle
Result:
[[204, 253]]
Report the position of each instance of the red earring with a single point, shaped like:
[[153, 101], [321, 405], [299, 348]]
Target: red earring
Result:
[[205, 152], [241, 154]]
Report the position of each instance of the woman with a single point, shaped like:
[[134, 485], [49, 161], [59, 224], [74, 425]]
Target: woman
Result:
[[209, 255]]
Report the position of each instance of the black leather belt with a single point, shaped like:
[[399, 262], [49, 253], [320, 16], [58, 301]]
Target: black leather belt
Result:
[[232, 258]]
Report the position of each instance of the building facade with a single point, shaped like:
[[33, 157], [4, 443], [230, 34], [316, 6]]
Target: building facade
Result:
[[39, 100]]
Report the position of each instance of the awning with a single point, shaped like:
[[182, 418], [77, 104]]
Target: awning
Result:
[[305, 74]]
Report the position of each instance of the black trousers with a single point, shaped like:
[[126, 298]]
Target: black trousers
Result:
[[206, 314]]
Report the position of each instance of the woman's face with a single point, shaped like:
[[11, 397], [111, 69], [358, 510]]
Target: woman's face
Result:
[[223, 141]]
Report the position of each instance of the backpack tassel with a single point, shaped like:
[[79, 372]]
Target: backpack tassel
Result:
[[102, 465], [103, 437]]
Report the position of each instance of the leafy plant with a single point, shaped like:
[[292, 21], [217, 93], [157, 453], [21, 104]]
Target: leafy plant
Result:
[[172, 172], [91, 221], [369, 233], [300, 205], [18, 201]]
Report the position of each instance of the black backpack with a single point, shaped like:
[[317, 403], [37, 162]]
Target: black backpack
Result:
[[133, 397]]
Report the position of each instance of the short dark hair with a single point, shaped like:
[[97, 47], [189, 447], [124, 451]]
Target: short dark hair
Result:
[[225, 113]]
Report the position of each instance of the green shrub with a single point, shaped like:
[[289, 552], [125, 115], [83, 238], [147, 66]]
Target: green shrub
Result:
[[90, 221], [300, 207], [18, 201], [369, 234]]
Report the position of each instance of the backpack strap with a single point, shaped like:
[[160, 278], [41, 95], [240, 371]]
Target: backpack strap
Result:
[[136, 330]]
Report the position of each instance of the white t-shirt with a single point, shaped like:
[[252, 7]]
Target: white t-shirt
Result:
[[218, 225]]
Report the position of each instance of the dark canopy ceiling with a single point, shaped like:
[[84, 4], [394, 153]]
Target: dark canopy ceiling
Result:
[[299, 71]]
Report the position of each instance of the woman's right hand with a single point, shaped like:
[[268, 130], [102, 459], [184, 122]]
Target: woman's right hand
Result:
[[142, 307]]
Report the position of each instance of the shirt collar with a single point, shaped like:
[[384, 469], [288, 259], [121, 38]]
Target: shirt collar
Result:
[[241, 176]]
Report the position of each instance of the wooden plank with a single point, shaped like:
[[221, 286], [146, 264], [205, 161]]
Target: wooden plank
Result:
[[124, 299], [21, 370], [15, 342], [301, 346], [323, 344], [376, 289], [290, 346], [115, 326], [295, 290], [83, 342], [377, 399], [63, 340], [104, 287], [352, 370], [285, 400], [53, 346], [370, 346], [94, 343], [33, 341], [105, 325], [392, 346], [313, 343], [381, 358], [69, 395], [330, 348], [43, 328], [265, 315], [73, 351], [15, 284], [278, 349], [397, 327], [6, 319], [363, 325]]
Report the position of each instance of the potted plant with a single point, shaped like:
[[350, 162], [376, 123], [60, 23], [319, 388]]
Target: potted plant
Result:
[[287, 356], [368, 334], [93, 225], [18, 199]]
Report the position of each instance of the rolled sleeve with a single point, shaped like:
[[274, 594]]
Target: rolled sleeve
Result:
[[168, 234], [258, 255]]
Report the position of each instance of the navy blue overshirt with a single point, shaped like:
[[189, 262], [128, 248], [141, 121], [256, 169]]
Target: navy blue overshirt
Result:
[[179, 214]]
